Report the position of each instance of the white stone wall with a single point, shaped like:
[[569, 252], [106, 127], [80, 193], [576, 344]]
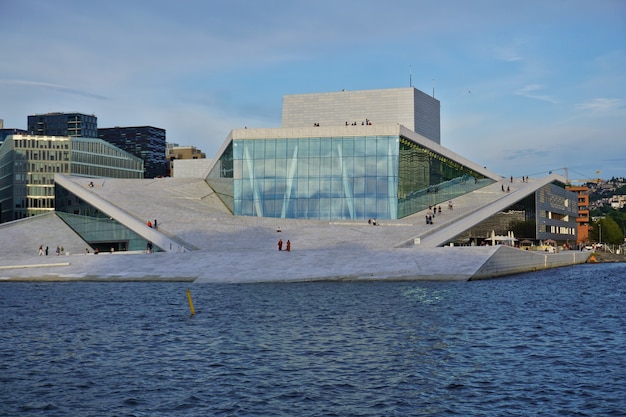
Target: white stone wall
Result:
[[408, 107], [191, 168]]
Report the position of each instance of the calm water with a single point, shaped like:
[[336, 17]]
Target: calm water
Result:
[[543, 344]]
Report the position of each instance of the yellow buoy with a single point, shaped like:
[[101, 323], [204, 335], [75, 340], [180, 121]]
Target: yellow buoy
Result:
[[190, 303]]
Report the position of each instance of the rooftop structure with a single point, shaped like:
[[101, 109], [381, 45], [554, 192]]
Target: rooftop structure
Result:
[[190, 168], [408, 107]]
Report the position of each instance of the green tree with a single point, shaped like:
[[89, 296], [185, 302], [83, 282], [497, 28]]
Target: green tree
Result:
[[620, 218], [611, 231]]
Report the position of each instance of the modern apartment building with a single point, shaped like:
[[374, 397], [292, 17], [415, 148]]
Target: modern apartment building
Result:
[[583, 219], [145, 142], [63, 124], [28, 164]]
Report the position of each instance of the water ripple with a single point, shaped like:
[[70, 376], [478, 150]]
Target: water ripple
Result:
[[543, 344]]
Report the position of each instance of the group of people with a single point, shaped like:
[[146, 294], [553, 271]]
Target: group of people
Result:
[[44, 251], [287, 246], [149, 245], [433, 211], [366, 122]]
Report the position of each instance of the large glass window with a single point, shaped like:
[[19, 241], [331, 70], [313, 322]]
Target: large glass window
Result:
[[315, 178], [385, 177], [95, 227], [427, 178]]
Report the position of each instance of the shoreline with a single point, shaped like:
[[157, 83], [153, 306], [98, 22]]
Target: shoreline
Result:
[[607, 257]]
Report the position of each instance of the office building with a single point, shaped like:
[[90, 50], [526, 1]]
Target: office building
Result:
[[145, 142], [6, 132], [28, 164], [63, 124]]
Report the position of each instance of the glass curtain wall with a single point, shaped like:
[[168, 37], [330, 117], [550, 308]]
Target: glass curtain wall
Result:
[[316, 178], [97, 158], [427, 178], [221, 178], [95, 227], [333, 178]]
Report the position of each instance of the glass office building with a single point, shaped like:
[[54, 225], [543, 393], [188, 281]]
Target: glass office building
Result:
[[28, 164], [63, 124], [145, 142], [336, 175]]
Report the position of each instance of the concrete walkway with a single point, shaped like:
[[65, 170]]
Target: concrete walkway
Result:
[[243, 249]]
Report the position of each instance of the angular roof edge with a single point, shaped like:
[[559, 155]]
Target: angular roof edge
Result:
[[369, 130], [434, 146]]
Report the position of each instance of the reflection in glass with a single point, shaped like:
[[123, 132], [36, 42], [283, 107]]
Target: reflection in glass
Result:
[[386, 177]]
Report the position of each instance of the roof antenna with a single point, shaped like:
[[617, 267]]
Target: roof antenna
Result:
[[410, 75], [433, 88]]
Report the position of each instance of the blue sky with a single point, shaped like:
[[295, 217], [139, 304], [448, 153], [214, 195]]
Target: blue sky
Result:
[[525, 87]]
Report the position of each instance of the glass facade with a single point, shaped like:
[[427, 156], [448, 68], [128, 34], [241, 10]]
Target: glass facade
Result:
[[145, 142], [557, 210], [97, 158], [28, 164], [332, 178], [63, 124], [94, 227], [427, 178]]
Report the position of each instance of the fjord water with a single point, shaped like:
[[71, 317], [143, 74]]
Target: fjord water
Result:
[[544, 344]]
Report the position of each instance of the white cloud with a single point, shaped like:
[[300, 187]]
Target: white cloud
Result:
[[510, 52], [531, 91], [601, 105]]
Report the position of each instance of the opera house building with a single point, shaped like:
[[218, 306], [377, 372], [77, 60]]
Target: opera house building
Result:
[[340, 163]]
